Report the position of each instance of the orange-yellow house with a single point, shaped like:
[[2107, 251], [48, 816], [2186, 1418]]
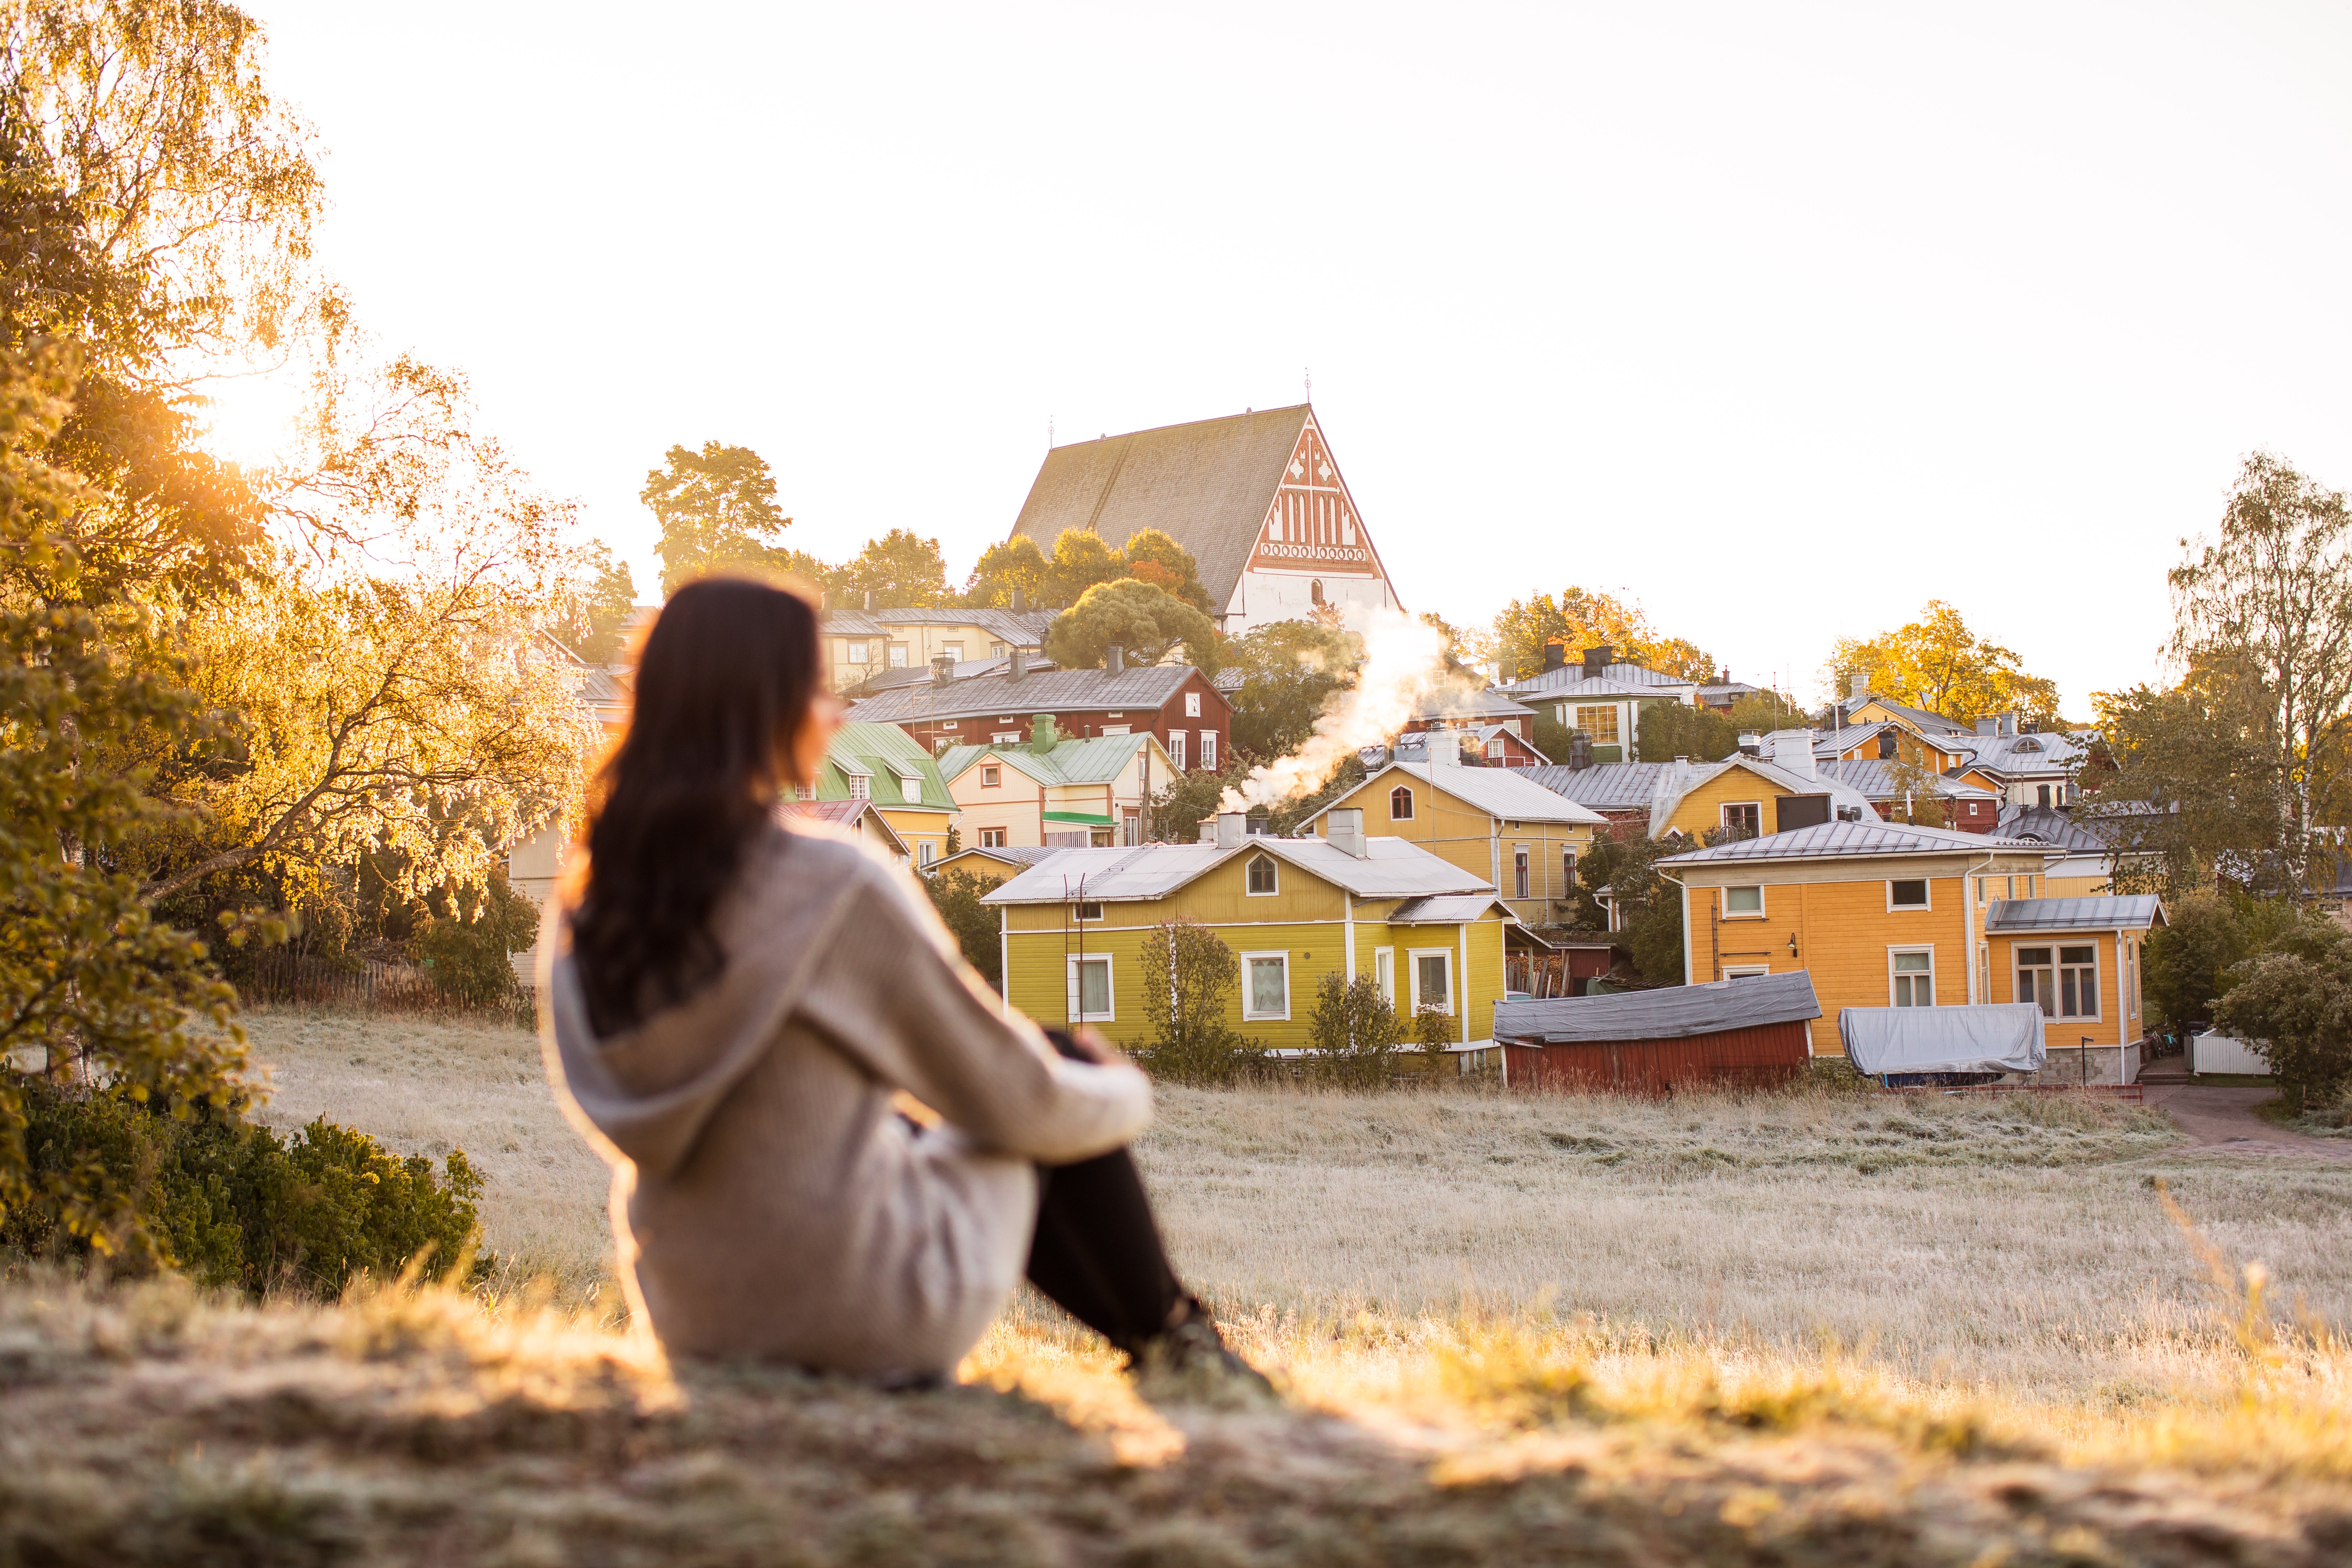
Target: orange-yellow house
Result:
[[2078, 959], [1880, 914], [1747, 797]]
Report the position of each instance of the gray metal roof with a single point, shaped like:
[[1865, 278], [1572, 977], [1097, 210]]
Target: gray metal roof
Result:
[[1871, 778], [1011, 854], [1391, 869], [1925, 718], [1507, 793], [1571, 685], [2043, 754], [1446, 909], [1674, 1012], [2134, 911], [1854, 839], [2048, 825], [1459, 702], [1015, 629], [1208, 485], [1605, 786], [1734, 689], [1044, 691]]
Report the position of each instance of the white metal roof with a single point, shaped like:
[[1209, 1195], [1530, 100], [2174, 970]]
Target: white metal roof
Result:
[[1391, 869], [1870, 836], [2129, 911], [1507, 793]]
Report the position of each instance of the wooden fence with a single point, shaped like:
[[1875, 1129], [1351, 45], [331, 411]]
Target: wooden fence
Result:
[[374, 985]]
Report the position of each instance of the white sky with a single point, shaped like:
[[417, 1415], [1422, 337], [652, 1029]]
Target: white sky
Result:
[[1782, 318]]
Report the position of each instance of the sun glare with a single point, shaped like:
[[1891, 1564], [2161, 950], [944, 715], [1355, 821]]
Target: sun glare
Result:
[[249, 419]]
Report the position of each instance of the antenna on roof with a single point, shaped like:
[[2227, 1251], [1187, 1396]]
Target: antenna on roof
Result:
[[1310, 375]]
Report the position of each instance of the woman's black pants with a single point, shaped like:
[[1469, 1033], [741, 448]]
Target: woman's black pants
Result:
[[1097, 1253]]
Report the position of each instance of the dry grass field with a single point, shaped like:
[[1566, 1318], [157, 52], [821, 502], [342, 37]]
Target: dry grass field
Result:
[[1780, 1328]]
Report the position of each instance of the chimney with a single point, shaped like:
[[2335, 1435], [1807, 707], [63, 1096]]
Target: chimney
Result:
[[1858, 687], [1597, 659], [942, 670], [869, 598], [1232, 826], [2009, 723], [1043, 735], [1016, 601], [1751, 744], [1989, 725], [1555, 656], [1793, 751], [1114, 659], [1020, 665], [1345, 831], [1445, 748], [1580, 751]]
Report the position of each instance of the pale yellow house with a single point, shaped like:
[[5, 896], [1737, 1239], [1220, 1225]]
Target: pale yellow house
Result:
[[1494, 824], [1086, 794], [1293, 911], [860, 643]]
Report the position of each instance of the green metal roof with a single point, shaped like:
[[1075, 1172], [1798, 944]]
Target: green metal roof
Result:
[[1096, 760], [884, 753]]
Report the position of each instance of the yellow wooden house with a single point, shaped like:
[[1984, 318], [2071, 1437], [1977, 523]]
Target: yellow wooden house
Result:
[[1745, 796], [2079, 958], [861, 644], [1293, 909], [997, 863], [1880, 914], [1494, 824]]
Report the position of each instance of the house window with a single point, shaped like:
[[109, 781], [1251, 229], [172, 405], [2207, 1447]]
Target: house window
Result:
[[1192, 705], [1743, 819], [992, 778], [1567, 873], [1208, 749], [853, 650], [954, 650], [1910, 893], [860, 786], [1743, 903], [1400, 805], [1263, 878], [1087, 912], [2068, 988], [926, 852], [2043, 791], [1116, 729], [1384, 972], [1887, 742], [1266, 985], [1098, 837], [1315, 590], [1130, 826], [1598, 724], [910, 787], [1006, 738], [1495, 751], [1519, 871], [1432, 980], [898, 656], [1914, 975], [1090, 998], [991, 838], [1745, 971], [1176, 749], [996, 650]]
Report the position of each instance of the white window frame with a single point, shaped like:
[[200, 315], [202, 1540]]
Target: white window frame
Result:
[[1413, 957], [926, 852], [1208, 749], [1078, 912], [1593, 735], [910, 788], [1251, 865], [1754, 914], [1192, 705], [1927, 885], [1522, 871], [992, 838], [1111, 994], [1384, 972], [1745, 971], [1249, 1007], [898, 656], [1896, 948], [1117, 729], [1005, 738], [1176, 749], [860, 787], [1723, 813], [954, 650], [1406, 791]]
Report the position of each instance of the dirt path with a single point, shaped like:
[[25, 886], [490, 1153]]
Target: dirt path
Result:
[[2217, 1117]]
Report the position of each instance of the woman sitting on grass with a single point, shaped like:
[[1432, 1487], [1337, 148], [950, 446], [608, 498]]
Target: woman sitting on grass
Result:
[[732, 998]]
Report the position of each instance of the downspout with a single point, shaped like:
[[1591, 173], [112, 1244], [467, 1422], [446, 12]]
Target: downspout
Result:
[[1347, 904], [1461, 934], [1005, 956], [1968, 923]]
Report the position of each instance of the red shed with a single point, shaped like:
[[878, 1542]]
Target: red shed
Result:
[[1750, 1030]]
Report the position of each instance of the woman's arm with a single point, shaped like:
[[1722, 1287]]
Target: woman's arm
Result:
[[896, 996]]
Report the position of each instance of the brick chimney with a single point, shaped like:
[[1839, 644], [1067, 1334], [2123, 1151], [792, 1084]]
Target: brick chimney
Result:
[[1020, 665], [1597, 659], [1114, 659], [1555, 656]]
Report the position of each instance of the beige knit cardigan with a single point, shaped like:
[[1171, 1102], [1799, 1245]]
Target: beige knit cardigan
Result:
[[765, 1200]]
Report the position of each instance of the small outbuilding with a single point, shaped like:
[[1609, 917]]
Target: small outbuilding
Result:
[[1752, 1030]]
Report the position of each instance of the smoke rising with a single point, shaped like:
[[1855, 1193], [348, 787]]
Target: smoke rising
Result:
[[1404, 661]]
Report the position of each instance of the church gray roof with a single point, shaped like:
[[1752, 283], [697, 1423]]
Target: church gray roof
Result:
[[1207, 485]]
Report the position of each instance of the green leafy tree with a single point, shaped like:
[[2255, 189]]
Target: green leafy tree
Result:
[[90, 983], [607, 600], [1917, 802], [1580, 618], [1670, 730], [1178, 806], [1019, 563], [1289, 669], [1354, 1031], [1938, 663], [470, 942], [1623, 864], [899, 571], [1189, 974], [2295, 1007], [2192, 960], [1155, 558], [1761, 712], [1147, 621], [717, 508], [957, 895], [1081, 560], [1433, 1030]]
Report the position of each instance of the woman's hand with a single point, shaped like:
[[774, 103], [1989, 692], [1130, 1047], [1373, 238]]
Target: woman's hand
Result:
[[1097, 1050]]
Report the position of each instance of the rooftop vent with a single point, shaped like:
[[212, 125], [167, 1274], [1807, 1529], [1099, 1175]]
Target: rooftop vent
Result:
[[1232, 826]]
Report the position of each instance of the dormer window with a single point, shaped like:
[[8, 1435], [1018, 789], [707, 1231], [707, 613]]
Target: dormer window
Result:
[[858, 787], [1263, 878], [1400, 805]]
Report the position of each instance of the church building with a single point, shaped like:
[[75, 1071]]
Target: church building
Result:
[[1256, 498]]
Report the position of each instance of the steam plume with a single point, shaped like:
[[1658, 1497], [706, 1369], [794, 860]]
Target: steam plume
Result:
[[1404, 661]]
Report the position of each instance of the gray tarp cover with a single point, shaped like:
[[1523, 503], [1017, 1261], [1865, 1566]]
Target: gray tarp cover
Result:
[[1670, 1013], [2003, 1037]]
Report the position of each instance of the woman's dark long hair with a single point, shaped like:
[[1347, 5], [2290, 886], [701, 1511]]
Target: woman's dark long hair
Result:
[[723, 683]]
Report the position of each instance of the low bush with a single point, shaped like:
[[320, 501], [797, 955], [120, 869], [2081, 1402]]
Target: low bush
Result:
[[140, 1188], [1356, 1033]]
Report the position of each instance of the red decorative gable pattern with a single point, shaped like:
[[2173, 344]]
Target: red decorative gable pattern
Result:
[[1312, 524]]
